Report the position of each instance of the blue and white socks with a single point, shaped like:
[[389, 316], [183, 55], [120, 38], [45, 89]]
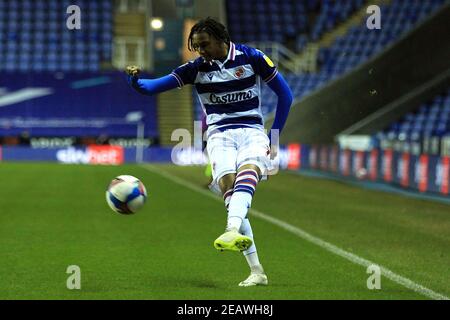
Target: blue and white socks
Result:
[[237, 201], [250, 254], [241, 198]]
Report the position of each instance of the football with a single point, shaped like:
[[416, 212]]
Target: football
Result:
[[126, 194]]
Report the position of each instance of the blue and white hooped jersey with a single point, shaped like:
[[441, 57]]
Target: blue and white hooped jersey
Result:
[[230, 92]]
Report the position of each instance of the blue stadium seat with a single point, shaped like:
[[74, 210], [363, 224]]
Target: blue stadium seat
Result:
[[265, 18], [35, 27], [429, 121]]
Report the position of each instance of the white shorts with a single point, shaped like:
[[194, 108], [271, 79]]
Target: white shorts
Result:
[[233, 148]]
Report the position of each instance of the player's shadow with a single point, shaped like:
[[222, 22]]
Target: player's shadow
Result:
[[202, 283]]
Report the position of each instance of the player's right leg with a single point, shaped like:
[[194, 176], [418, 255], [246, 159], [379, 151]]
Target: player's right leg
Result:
[[232, 239], [222, 151]]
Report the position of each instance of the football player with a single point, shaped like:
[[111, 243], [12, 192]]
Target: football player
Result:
[[227, 77]]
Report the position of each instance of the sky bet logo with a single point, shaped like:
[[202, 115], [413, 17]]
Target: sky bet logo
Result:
[[108, 155]]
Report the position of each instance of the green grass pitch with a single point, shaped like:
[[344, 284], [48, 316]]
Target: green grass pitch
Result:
[[53, 216]]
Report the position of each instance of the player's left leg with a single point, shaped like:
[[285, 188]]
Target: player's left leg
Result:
[[246, 180], [257, 275], [253, 164]]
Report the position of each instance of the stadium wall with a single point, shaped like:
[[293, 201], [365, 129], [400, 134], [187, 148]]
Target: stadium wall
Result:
[[394, 111], [401, 68], [73, 105]]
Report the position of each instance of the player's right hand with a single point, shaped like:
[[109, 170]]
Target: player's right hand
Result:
[[133, 71]]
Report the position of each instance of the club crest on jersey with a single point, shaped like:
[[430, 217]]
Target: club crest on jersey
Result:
[[239, 73]]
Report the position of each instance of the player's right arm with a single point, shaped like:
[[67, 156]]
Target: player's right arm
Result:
[[150, 86], [184, 74]]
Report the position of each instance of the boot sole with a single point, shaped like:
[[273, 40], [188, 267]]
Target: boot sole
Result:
[[238, 244]]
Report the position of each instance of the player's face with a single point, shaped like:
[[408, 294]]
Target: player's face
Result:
[[208, 47]]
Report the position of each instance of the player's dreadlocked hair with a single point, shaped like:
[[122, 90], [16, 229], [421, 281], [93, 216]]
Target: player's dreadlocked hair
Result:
[[212, 27]]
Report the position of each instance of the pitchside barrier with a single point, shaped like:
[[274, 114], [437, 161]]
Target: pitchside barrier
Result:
[[423, 173], [290, 157], [93, 154]]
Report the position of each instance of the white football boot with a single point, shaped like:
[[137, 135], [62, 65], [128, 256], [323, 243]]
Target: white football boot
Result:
[[255, 279]]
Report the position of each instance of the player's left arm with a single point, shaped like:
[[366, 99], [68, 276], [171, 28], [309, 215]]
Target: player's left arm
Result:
[[284, 93], [282, 90], [264, 67]]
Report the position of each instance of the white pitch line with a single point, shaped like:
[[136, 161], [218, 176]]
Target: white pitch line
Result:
[[308, 237]]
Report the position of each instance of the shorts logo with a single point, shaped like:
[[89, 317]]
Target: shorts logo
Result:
[[239, 73]]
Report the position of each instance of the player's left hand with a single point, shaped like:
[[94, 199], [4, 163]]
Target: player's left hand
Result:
[[273, 151]]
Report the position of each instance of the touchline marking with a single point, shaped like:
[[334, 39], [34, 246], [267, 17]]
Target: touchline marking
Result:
[[308, 237]]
